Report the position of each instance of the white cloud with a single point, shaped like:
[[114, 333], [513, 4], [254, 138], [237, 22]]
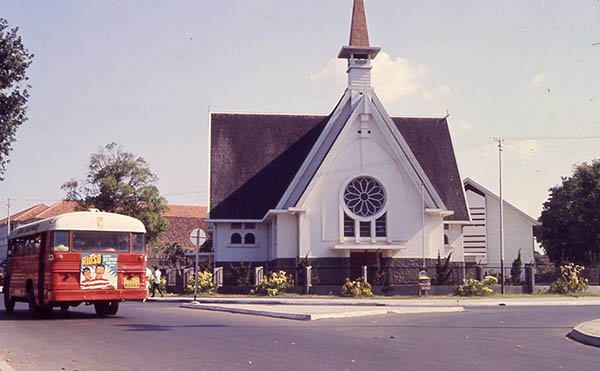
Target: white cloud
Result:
[[393, 78], [536, 81], [334, 71], [443, 89], [396, 78]]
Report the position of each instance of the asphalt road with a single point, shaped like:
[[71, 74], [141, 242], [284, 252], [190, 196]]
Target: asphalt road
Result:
[[162, 336]]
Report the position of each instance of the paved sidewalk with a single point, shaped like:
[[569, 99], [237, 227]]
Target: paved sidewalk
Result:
[[314, 312], [417, 302], [587, 333]]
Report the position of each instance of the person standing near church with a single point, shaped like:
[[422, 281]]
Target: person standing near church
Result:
[[156, 283]]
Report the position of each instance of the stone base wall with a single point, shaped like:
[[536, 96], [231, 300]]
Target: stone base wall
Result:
[[334, 271]]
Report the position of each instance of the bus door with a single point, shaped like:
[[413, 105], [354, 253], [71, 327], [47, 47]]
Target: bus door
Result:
[[42, 269]]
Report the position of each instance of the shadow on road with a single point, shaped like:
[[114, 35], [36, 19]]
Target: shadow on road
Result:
[[154, 327], [23, 315]]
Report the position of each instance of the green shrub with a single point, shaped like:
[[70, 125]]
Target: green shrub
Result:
[[472, 287], [516, 269], [443, 271], [205, 283], [242, 274], [356, 288], [570, 281], [275, 283]]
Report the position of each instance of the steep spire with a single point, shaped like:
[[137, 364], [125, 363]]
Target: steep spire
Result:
[[359, 53], [359, 34]]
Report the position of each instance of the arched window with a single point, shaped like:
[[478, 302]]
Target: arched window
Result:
[[364, 202], [236, 239], [249, 239]]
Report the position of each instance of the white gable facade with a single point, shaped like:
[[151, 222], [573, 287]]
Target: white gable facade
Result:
[[359, 191], [482, 237]]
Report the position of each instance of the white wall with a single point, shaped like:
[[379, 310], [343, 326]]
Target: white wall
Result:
[[233, 253], [455, 243], [518, 234], [287, 236]]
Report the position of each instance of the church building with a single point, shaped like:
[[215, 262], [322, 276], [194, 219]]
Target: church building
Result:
[[338, 189]]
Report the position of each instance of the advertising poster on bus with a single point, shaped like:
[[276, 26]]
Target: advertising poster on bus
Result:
[[98, 271]]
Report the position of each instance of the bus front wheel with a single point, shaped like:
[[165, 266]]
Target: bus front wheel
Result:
[[9, 302]]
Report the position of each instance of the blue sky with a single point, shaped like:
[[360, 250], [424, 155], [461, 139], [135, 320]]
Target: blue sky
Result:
[[144, 73]]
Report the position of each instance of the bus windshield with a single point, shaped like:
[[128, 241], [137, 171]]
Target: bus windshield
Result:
[[100, 241]]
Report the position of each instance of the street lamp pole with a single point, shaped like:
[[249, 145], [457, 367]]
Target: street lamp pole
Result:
[[500, 142]]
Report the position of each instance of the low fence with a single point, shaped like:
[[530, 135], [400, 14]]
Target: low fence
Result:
[[391, 279], [546, 277]]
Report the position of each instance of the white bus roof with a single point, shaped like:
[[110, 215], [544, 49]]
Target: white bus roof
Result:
[[82, 221]]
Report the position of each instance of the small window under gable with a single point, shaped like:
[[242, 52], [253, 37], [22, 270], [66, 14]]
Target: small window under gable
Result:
[[249, 239], [249, 225], [236, 239], [236, 225]]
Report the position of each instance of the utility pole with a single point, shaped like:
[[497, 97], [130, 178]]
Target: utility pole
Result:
[[500, 142], [423, 223]]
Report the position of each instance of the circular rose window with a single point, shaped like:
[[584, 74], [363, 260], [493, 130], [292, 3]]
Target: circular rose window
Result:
[[364, 196]]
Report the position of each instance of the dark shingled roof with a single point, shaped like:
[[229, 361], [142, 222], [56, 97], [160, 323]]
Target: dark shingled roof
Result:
[[254, 158], [430, 142]]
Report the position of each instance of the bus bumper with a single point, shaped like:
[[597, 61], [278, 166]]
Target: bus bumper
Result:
[[94, 295]]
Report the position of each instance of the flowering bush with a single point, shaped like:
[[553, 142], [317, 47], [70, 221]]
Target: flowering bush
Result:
[[275, 283], [570, 281], [356, 288], [490, 280], [472, 287], [205, 283]]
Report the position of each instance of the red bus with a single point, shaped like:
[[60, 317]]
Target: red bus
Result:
[[86, 257]]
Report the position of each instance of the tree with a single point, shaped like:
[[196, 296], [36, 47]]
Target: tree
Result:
[[120, 182], [443, 270], [516, 269], [14, 60], [570, 218]]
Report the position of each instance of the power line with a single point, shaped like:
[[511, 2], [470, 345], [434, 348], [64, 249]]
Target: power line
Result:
[[563, 137]]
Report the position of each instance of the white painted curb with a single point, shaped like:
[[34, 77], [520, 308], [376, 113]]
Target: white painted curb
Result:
[[587, 333]]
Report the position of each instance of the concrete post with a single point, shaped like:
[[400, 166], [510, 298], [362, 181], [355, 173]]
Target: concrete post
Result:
[[479, 273], [218, 277], [529, 278], [259, 273], [308, 281], [364, 273]]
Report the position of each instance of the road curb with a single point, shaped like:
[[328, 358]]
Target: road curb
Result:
[[327, 315], [387, 302], [587, 333]]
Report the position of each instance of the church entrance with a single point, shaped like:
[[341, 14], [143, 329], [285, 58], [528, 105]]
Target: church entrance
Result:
[[358, 259]]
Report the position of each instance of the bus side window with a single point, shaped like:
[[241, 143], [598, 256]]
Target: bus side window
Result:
[[139, 242], [60, 241]]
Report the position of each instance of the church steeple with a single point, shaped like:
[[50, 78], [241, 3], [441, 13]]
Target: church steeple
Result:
[[359, 34], [359, 53]]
